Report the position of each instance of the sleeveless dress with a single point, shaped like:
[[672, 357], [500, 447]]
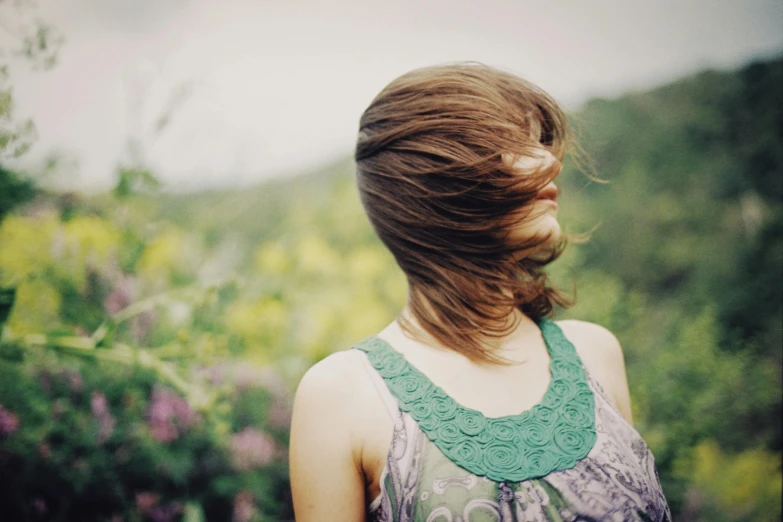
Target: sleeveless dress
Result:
[[572, 457]]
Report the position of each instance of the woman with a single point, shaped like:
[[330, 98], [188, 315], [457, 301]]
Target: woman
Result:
[[471, 405]]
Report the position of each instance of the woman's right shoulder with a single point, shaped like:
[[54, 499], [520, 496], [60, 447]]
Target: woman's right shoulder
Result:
[[326, 443], [333, 383]]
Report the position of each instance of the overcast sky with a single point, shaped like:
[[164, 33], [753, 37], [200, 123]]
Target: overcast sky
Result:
[[269, 87]]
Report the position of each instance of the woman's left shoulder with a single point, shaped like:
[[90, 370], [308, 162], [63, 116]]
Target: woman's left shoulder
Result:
[[602, 355], [592, 340]]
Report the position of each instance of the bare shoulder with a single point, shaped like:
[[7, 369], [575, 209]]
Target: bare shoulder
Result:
[[602, 354], [592, 340], [323, 442], [330, 383]]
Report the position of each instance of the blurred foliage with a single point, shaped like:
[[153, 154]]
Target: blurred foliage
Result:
[[14, 191], [148, 362]]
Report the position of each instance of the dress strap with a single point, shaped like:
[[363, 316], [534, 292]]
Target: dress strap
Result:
[[380, 386]]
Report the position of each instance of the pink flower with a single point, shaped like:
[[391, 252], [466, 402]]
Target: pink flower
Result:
[[169, 415], [100, 410], [163, 432], [44, 450], [75, 380], [252, 448], [39, 505], [166, 512], [146, 500], [121, 296], [142, 324], [48, 379], [244, 507], [9, 422], [105, 428], [148, 504], [99, 404]]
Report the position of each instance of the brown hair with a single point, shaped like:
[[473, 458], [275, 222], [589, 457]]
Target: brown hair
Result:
[[435, 186]]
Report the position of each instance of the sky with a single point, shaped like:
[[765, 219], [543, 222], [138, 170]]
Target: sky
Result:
[[260, 88]]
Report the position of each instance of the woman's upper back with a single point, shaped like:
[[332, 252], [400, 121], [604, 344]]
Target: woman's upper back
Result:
[[344, 405]]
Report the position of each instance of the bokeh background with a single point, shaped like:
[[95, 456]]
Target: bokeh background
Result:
[[180, 236]]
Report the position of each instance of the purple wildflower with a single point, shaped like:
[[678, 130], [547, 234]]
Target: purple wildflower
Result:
[[244, 507], [142, 324], [9, 422], [52, 380], [39, 505], [75, 380], [121, 296], [169, 415], [148, 504], [99, 404], [252, 448], [165, 512], [100, 410], [106, 428], [146, 500], [44, 450]]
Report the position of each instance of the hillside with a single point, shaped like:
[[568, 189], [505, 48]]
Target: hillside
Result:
[[695, 180], [188, 293], [689, 239]]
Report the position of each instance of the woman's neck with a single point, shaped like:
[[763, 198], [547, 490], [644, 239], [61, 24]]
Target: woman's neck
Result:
[[517, 329]]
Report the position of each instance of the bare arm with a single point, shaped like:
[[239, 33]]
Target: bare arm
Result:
[[326, 472], [602, 354]]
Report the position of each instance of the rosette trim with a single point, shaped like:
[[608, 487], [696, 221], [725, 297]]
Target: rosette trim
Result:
[[551, 436]]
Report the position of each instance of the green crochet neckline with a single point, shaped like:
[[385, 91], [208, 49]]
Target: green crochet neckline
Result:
[[553, 435]]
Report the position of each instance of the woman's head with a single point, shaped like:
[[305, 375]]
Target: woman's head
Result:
[[455, 168]]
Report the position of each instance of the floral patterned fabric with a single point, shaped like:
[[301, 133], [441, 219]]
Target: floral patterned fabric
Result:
[[616, 479]]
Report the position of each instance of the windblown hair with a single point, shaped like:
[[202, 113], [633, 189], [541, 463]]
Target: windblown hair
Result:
[[435, 180]]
